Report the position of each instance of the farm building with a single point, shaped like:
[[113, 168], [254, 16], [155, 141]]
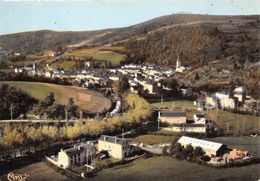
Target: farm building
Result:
[[172, 117], [118, 148], [210, 148]]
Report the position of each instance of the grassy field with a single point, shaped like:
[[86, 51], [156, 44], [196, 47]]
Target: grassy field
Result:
[[39, 172], [111, 56], [166, 168], [155, 139], [235, 124], [89, 100], [174, 104]]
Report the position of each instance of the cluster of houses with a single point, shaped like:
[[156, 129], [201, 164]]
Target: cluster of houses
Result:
[[178, 121], [141, 77], [224, 100], [85, 153], [119, 148]]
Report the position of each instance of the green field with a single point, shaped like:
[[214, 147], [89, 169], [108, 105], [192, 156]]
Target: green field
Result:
[[168, 169], [174, 104], [235, 124], [89, 100], [113, 57], [155, 139], [37, 90]]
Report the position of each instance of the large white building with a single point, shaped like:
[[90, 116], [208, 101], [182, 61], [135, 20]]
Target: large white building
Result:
[[210, 148]]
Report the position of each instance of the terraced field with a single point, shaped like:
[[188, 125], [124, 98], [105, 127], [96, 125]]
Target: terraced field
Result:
[[89, 100]]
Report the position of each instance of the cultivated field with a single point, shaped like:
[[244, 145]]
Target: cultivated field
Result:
[[89, 100]]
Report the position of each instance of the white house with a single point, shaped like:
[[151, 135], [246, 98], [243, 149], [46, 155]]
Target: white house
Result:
[[199, 118], [240, 93], [82, 153], [118, 148]]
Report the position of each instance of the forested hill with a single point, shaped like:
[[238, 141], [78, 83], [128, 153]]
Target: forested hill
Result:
[[231, 38], [36, 41], [226, 43]]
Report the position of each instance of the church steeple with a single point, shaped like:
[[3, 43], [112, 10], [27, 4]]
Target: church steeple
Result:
[[178, 63]]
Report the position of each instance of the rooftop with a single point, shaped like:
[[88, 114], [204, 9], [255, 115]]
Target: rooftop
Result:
[[113, 139], [209, 145], [78, 148], [173, 114]]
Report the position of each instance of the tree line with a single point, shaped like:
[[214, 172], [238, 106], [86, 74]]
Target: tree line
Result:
[[37, 78], [20, 136]]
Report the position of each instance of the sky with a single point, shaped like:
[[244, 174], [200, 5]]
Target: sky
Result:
[[20, 16]]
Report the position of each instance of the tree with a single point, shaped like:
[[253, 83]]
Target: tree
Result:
[[198, 152], [177, 150], [164, 151], [71, 108], [33, 135], [122, 85], [49, 100], [15, 100]]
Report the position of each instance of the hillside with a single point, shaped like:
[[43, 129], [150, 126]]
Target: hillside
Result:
[[219, 50], [45, 40], [91, 101]]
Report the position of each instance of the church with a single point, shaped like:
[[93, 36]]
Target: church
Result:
[[179, 68]]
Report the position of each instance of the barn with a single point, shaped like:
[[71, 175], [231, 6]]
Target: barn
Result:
[[210, 148]]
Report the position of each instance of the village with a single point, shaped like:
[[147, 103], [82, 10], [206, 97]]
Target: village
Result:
[[175, 97], [193, 127]]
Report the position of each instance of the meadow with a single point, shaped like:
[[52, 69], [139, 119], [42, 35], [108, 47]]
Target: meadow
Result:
[[166, 168], [89, 100], [235, 124], [174, 104], [97, 55]]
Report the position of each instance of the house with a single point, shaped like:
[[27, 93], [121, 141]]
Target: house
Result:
[[199, 118], [172, 117], [82, 153], [118, 148], [210, 102], [210, 148], [227, 102], [240, 93], [235, 154], [48, 73], [148, 85], [220, 100], [186, 91]]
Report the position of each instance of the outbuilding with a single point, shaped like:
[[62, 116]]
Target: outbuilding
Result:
[[172, 117], [210, 148]]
